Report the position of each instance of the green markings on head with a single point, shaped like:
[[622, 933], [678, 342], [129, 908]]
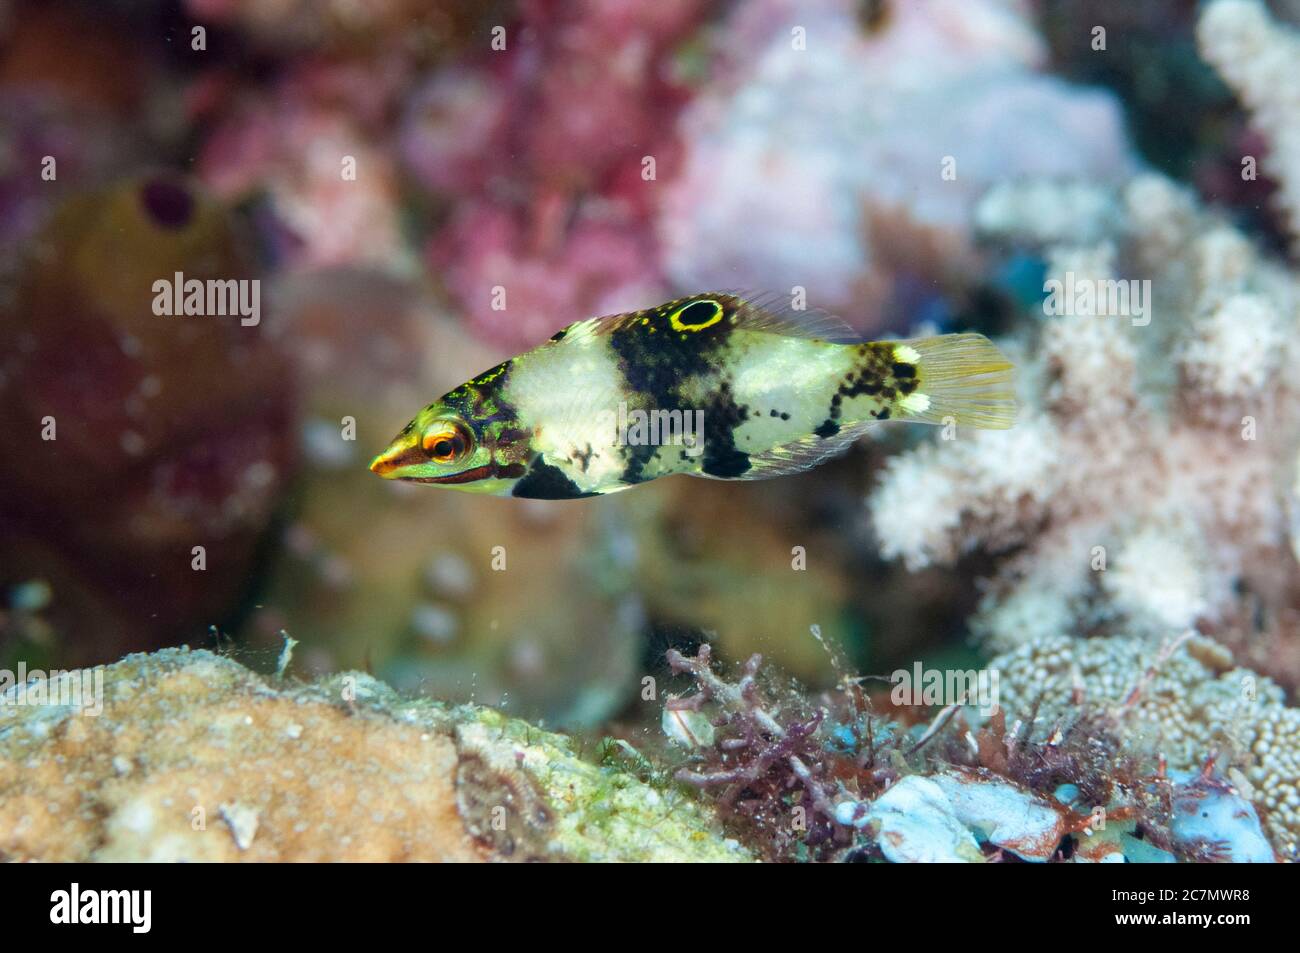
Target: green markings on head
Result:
[[487, 377], [469, 439]]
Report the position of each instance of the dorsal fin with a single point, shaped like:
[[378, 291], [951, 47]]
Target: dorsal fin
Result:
[[587, 327], [775, 313], [771, 313]]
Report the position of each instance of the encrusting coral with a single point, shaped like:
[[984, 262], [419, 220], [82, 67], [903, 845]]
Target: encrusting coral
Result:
[[194, 757], [1116, 750], [1184, 702]]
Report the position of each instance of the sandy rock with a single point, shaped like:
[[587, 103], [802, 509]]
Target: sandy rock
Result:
[[196, 758]]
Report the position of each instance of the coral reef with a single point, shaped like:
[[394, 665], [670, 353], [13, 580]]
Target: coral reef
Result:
[[424, 188], [805, 142], [182, 426], [579, 196], [1116, 751], [1186, 124], [1183, 703], [1139, 515], [1149, 484], [308, 152], [1144, 488], [583, 131], [1256, 56], [194, 757]]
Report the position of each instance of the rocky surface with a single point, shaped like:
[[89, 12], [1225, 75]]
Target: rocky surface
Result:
[[196, 758]]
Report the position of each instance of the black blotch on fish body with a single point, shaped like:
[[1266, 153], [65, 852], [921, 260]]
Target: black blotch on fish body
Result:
[[657, 363], [828, 428], [546, 482], [481, 401], [876, 374], [862, 385], [637, 457], [722, 416]]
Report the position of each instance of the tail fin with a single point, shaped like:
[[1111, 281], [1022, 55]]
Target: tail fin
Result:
[[959, 376]]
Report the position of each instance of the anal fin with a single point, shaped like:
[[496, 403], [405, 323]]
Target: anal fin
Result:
[[802, 454]]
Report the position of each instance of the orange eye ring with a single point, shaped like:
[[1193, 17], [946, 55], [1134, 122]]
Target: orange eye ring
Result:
[[447, 441]]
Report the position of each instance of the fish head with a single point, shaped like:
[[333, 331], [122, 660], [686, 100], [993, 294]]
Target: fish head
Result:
[[444, 446]]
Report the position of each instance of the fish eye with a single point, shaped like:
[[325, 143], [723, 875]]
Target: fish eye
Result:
[[447, 441]]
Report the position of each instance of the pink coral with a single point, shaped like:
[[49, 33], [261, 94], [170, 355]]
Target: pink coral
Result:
[[565, 118], [601, 266], [298, 146]]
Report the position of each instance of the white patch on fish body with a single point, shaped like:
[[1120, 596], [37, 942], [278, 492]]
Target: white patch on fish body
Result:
[[915, 403], [795, 376], [568, 394]]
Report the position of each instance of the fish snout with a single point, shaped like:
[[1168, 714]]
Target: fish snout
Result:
[[400, 454]]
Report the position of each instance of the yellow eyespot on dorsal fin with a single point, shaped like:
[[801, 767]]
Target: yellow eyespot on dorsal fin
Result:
[[960, 378], [697, 315], [769, 313]]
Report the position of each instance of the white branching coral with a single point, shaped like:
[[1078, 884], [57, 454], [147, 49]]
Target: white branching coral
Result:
[[1144, 487], [1184, 701], [1257, 57]]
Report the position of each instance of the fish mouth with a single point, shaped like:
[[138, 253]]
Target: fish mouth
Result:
[[472, 475], [396, 458]]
